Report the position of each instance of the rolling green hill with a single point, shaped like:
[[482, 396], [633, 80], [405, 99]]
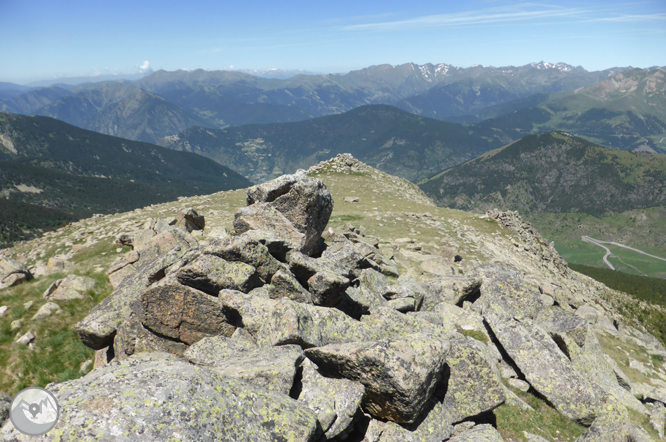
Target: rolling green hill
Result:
[[385, 137], [45, 163], [568, 187]]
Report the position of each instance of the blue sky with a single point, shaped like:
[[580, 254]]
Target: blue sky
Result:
[[44, 39]]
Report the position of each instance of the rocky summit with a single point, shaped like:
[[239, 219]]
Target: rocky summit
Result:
[[310, 321]]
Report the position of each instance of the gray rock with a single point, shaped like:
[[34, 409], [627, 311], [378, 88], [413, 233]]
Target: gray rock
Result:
[[304, 201], [12, 273], [403, 304], [182, 313], [358, 301], [72, 287], [3, 309], [533, 437], [103, 357], [265, 217], [611, 425], [284, 285], [247, 250], [558, 322], [479, 433], [211, 274], [290, 322], [97, 329], [277, 246], [5, 407], [452, 290], [133, 338], [209, 350], [657, 412], [122, 268], [518, 384], [335, 401], [189, 220], [250, 312], [327, 288], [271, 368], [505, 293], [15, 325], [156, 396], [26, 338], [546, 368], [399, 375], [46, 310], [348, 260], [379, 431]]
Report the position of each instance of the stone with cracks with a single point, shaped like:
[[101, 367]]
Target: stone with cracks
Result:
[[327, 288], [452, 290], [399, 375], [182, 313], [189, 220], [504, 292], [97, 329], [358, 301], [247, 250], [285, 285], [158, 397], [72, 287], [271, 368], [379, 431], [479, 433], [265, 217], [12, 273], [290, 322], [211, 274], [304, 201], [122, 268], [546, 368], [133, 338], [349, 261], [335, 401], [209, 350]]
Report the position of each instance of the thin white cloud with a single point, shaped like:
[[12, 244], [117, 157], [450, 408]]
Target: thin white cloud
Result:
[[502, 15], [145, 66]]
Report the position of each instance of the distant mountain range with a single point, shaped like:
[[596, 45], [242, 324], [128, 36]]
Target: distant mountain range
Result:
[[218, 99], [384, 137], [52, 172]]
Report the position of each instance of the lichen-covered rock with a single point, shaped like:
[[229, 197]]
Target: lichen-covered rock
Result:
[[479, 433], [290, 322], [72, 287], [504, 292], [327, 288], [248, 250], [97, 329], [346, 258], [612, 424], [12, 273], [361, 300], [5, 404], [379, 431], [452, 290], [182, 313], [335, 401], [265, 217], [158, 397], [246, 310], [285, 285], [46, 310], [271, 368], [122, 268], [304, 201], [133, 338], [211, 274], [277, 246], [209, 350], [546, 368], [473, 388], [189, 220], [399, 375]]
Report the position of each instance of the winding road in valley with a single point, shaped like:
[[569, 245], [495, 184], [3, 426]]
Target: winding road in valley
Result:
[[600, 243]]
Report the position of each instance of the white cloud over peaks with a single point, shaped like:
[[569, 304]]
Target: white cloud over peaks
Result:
[[145, 66]]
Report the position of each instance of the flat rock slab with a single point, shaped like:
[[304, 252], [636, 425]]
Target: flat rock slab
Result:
[[271, 368], [211, 274], [182, 313], [546, 368], [158, 397], [46, 310], [72, 287], [399, 375], [336, 401], [479, 433]]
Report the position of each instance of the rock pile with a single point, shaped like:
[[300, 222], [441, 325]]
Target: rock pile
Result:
[[268, 334]]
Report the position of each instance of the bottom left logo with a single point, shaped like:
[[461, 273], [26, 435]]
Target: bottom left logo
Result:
[[34, 411]]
